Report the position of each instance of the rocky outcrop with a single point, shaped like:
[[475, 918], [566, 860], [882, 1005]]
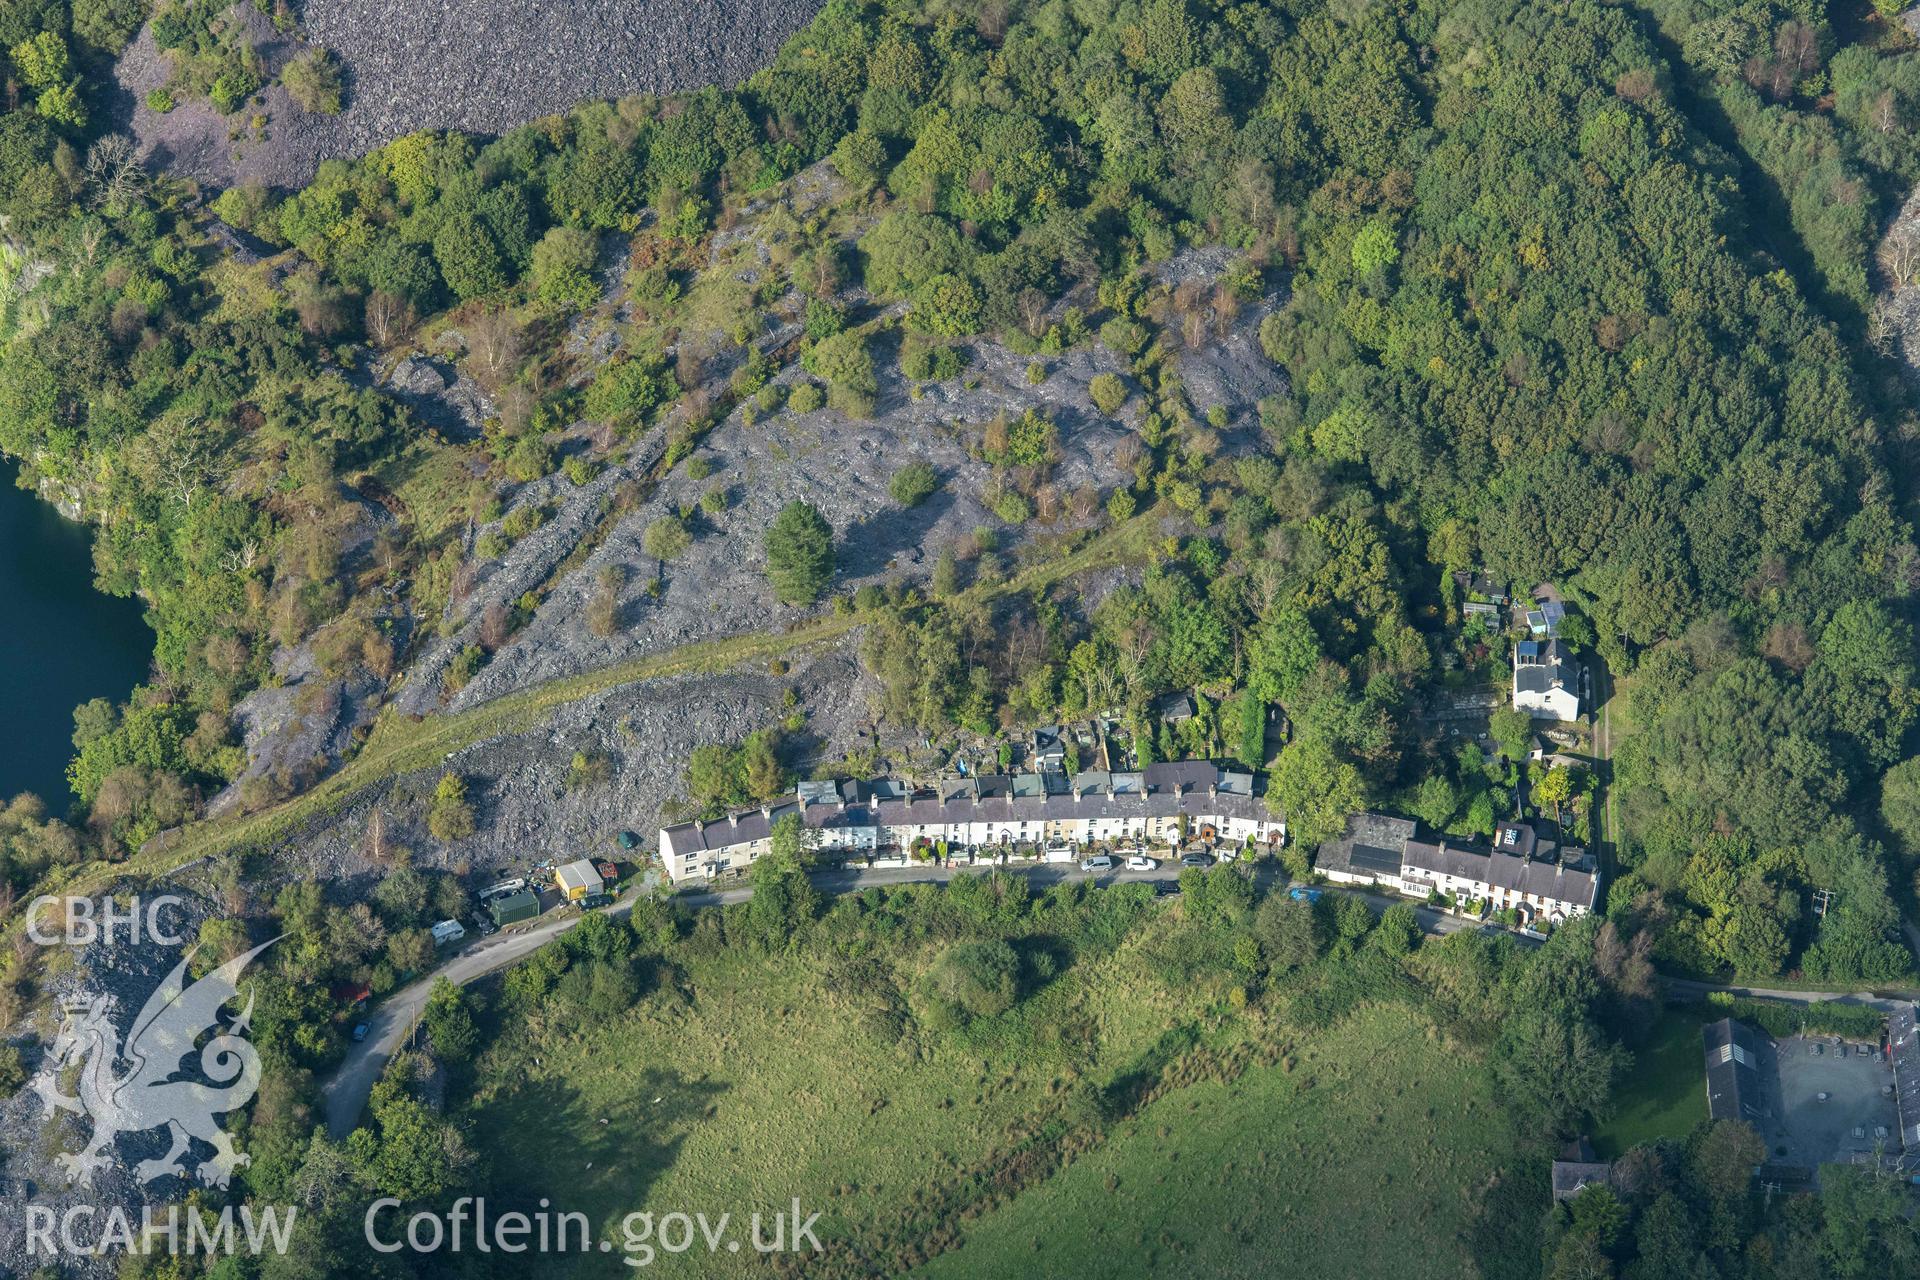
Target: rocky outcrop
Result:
[[478, 65]]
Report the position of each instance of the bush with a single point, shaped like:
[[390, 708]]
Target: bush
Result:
[[806, 397], [626, 391], [522, 521], [978, 979], [666, 538], [913, 484], [603, 609], [451, 816], [844, 361], [313, 82], [1108, 392], [823, 319], [563, 265], [230, 90], [161, 102], [924, 361]]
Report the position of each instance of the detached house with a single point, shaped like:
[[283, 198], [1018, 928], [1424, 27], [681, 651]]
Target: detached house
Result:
[[1546, 680]]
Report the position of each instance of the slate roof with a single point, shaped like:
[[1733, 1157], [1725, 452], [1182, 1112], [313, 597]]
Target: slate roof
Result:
[[1370, 846], [1904, 1046], [1733, 1071], [1532, 679], [1382, 846], [1503, 871], [1516, 838], [1578, 1168], [1160, 790], [1480, 584], [1366, 858], [738, 828], [1174, 707]]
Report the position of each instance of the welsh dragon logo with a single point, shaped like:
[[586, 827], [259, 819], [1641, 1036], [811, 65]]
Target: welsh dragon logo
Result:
[[147, 1095]]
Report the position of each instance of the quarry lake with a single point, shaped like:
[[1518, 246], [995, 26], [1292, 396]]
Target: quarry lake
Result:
[[61, 642]]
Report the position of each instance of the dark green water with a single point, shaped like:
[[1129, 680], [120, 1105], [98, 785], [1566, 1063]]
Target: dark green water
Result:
[[61, 642]]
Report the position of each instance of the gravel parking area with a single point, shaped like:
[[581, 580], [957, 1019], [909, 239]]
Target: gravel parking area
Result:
[[478, 65], [1834, 1101]]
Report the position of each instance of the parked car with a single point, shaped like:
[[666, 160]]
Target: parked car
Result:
[[359, 1031], [1196, 860], [1141, 862], [1098, 862], [1304, 895], [482, 925], [1166, 888]]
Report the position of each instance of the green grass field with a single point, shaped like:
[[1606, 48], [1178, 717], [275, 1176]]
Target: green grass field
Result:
[[767, 1085], [1365, 1160], [1664, 1095]]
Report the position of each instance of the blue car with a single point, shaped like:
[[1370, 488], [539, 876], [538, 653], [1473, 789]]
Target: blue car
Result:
[[359, 1032], [1304, 895]]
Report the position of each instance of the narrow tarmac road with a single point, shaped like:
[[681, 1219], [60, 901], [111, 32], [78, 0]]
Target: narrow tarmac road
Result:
[[346, 1093], [1683, 989]]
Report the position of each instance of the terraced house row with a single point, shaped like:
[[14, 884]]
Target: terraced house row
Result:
[[1543, 880], [1156, 805]]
